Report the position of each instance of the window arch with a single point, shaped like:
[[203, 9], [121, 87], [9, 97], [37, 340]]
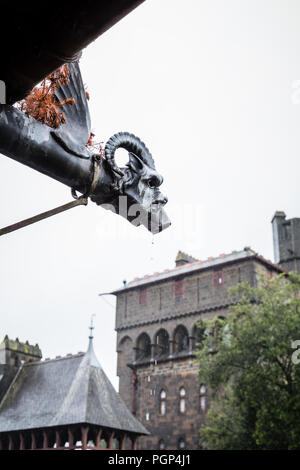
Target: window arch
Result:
[[202, 397], [199, 336], [162, 402], [161, 444], [161, 342], [181, 339], [123, 341], [182, 400], [126, 355], [220, 323], [143, 346], [181, 443]]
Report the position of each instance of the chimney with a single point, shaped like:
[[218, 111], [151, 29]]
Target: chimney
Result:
[[183, 258], [277, 222]]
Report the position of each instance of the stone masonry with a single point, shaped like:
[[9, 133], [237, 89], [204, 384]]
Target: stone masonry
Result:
[[156, 324]]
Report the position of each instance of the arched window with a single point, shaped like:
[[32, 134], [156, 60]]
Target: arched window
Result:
[[161, 444], [182, 402], [181, 443], [162, 402], [126, 354], [217, 330], [161, 342], [202, 398], [199, 336], [181, 339], [143, 346]]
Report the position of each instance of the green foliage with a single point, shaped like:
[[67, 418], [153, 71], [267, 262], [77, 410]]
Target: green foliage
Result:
[[246, 363]]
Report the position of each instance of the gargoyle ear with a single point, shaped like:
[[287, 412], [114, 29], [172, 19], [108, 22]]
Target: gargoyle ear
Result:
[[135, 163]]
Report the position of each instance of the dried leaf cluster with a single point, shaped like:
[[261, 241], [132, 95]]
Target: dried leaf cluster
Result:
[[42, 103]]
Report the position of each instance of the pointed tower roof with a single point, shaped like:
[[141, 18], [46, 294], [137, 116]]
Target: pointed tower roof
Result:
[[63, 391]]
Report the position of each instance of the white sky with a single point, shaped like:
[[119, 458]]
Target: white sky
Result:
[[213, 89]]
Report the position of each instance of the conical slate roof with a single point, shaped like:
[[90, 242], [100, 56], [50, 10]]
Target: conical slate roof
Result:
[[63, 391]]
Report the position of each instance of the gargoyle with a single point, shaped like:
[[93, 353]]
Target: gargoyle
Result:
[[63, 155]]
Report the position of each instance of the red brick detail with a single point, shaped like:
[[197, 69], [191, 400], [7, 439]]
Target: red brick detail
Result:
[[143, 298], [179, 288]]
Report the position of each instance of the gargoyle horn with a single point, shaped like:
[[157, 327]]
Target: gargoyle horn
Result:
[[131, 143]]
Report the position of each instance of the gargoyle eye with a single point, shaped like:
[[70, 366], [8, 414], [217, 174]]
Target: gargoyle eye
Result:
[[154, 182]]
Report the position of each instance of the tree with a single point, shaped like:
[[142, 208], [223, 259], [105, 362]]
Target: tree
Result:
[[249, 364]]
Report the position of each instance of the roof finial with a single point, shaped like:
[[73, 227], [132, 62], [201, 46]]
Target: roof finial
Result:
[[90, 357], [91, 327]]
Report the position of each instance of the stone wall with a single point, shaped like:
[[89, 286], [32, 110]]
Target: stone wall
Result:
[[173, 425], [203, 297]]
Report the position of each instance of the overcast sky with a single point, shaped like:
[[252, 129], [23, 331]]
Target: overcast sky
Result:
[[213, 89]]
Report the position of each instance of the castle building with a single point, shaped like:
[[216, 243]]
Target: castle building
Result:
[[157, 333], [60, 404], [68, 403]]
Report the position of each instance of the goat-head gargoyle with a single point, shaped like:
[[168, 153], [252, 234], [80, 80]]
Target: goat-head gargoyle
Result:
[[137, 186], [132, 191]]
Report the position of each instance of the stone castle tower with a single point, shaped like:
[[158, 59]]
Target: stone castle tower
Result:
[[13, 354], [156, 324], [286, 240]]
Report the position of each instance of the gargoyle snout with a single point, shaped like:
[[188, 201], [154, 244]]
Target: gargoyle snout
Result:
[[161, 199]]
